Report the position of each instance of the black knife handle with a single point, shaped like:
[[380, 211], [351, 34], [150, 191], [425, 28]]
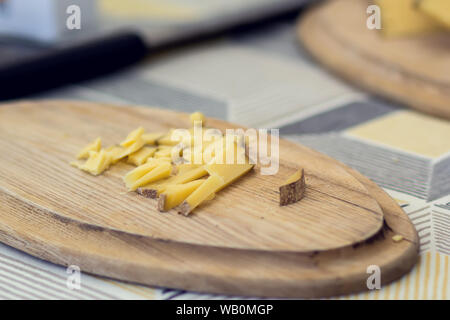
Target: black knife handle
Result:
[[62, 66]]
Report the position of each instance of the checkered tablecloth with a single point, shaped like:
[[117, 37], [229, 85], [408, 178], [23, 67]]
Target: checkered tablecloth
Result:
[[265, 79]]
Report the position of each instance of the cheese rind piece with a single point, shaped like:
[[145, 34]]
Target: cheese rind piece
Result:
[[439, 10], [293, 189], [185, 176], [202, 193], [96, 145], [175, 194], [140, 157], [132, 137], [402, 17], [160, 172]]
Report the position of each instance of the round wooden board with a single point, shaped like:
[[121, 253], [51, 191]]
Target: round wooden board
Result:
[[240, 243], [411, 70]]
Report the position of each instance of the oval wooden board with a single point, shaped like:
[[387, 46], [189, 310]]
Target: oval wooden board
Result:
[[41, 139], [39, 218], [412, 70]]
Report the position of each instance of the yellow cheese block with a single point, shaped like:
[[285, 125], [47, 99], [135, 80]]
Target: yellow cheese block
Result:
[[439, 10], [402, 17], [140, 157], [160, 172], [176, 194], [132, 137], [202, 193], [96, 163], [93, 146]]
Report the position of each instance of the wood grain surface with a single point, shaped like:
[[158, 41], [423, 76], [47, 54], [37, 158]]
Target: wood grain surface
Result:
[[412, 70], [240, 243]]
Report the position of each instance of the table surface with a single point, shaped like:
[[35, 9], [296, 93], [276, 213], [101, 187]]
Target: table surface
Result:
[[266, 79]]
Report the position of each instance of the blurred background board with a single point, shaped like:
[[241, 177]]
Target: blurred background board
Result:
[[412, 70], [109, 35]]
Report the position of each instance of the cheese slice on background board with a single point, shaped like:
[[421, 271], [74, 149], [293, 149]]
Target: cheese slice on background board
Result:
[[403, 18], [439, 10]]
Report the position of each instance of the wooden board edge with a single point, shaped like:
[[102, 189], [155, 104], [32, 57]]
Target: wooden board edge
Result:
[[56, 216], [95, 251]]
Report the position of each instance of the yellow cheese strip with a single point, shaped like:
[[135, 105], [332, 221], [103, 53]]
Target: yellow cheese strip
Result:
[[153, 190], [93, 146], [176, 194], [402, 17], [166, 140], [165, 152], [438, 10], [229, 172], [184, 167], [139, 172], [202, 193], [140, 157], [116, 153], [151, 138], [134, 147], [197, 116], [132, 137], [160, 172], [96, 163]]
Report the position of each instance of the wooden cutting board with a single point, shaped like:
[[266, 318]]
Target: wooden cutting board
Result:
[[412, 70], [242, 242]]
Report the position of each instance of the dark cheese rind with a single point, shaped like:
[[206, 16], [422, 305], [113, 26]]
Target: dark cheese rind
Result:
[[292, 192]]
